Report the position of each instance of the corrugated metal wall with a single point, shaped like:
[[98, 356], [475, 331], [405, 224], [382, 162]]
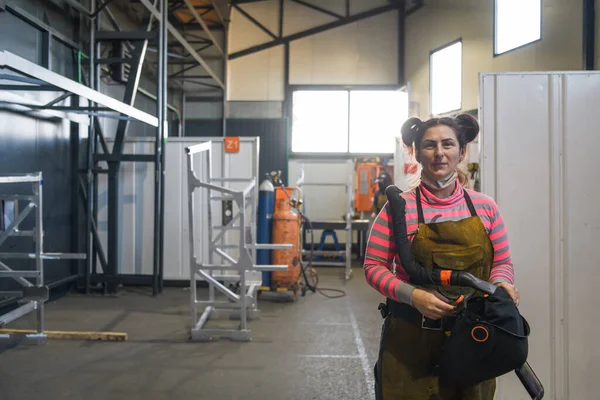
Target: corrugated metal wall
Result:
[[272, 133], [29, 145], [137, 205], [539, 162]]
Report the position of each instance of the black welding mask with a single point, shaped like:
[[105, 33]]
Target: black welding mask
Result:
[[489, 332]]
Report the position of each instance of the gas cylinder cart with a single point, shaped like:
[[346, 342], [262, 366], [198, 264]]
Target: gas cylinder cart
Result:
[[286, 226]]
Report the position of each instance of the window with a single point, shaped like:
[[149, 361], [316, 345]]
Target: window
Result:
[[517, 23], [446, 79], [320, 121], [375, 120], [347, 121]]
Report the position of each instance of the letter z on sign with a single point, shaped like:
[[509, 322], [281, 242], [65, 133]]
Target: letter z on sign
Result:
[[232, 144]]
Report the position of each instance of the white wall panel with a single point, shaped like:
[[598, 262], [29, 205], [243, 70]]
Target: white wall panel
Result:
[[365, 52], [257, 76], [244, 33], [298, 18], [136, 204], [582, 223], [265, 12], [361, 53], [538, 160], [336, 6], [358, 6], [473, 21]]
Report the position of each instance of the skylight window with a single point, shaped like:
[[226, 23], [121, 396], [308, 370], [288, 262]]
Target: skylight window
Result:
[[517, 23]]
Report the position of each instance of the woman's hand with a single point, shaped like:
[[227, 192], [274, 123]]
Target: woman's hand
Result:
[[512, 291], [432, 304]]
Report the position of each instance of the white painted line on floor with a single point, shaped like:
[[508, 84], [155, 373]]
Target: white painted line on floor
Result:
[[327, 323], [362, 354], [328, 356]]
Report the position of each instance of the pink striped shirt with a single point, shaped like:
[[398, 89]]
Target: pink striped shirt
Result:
[[381, 251]]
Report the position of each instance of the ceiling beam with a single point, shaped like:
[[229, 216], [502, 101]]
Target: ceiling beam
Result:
[[314, 31], [185, 44], [218, 12], [203, 25]]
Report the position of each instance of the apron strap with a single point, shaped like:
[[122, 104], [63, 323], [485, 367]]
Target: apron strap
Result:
[[420, 207], [470, 203]]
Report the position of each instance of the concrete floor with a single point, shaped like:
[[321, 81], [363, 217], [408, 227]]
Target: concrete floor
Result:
[[315, 348]]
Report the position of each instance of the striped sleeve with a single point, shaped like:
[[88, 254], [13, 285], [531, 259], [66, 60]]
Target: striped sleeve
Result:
[[379, 258], [502, 269]]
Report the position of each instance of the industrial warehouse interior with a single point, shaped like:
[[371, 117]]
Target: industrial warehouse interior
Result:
[[299, 199]]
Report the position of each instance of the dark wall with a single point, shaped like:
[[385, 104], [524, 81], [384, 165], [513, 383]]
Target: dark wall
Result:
[[29, 145], [272, 133]]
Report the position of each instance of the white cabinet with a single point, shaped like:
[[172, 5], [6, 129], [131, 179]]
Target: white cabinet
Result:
[[539, 160]]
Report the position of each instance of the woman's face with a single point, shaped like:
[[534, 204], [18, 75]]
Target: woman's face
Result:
[[440, 152]]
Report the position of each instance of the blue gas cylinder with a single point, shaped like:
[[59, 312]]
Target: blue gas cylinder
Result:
[[266, 206]]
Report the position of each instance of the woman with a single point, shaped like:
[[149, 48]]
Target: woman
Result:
[[447, 225]]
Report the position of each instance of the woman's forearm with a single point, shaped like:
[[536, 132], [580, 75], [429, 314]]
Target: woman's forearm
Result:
[[386, 283]]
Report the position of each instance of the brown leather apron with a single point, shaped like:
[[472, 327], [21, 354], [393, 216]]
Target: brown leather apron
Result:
[[410, 344]]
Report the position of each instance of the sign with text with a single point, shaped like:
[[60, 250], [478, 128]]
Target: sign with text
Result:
[[232, 144]]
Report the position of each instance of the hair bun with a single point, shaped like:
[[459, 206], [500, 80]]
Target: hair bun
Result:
[[409, 130], [469, 125]]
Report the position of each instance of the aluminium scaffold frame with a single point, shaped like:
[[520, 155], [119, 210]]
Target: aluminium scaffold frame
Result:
[[33, 294], [250, 278]]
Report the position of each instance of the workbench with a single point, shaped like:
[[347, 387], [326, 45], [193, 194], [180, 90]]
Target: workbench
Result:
[[361, 226]]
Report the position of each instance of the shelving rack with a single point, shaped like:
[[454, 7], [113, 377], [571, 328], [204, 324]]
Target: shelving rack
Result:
[[32, 293]]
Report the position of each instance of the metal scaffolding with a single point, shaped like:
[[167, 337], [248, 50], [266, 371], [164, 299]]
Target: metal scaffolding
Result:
[[160, 25], [247, 272], [32, 294], [124, 55]]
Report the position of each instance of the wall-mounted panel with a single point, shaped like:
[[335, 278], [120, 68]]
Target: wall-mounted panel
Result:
[[538, 149]]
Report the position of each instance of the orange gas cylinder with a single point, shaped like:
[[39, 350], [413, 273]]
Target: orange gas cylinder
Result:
[[286, 230]]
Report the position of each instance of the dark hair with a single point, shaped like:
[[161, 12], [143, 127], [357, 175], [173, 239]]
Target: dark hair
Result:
[[464, 126]]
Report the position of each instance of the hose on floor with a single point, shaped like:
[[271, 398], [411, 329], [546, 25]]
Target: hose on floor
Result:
[[314, 287]]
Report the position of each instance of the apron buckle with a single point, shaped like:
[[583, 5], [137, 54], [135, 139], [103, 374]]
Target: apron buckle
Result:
[[431, 324]]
